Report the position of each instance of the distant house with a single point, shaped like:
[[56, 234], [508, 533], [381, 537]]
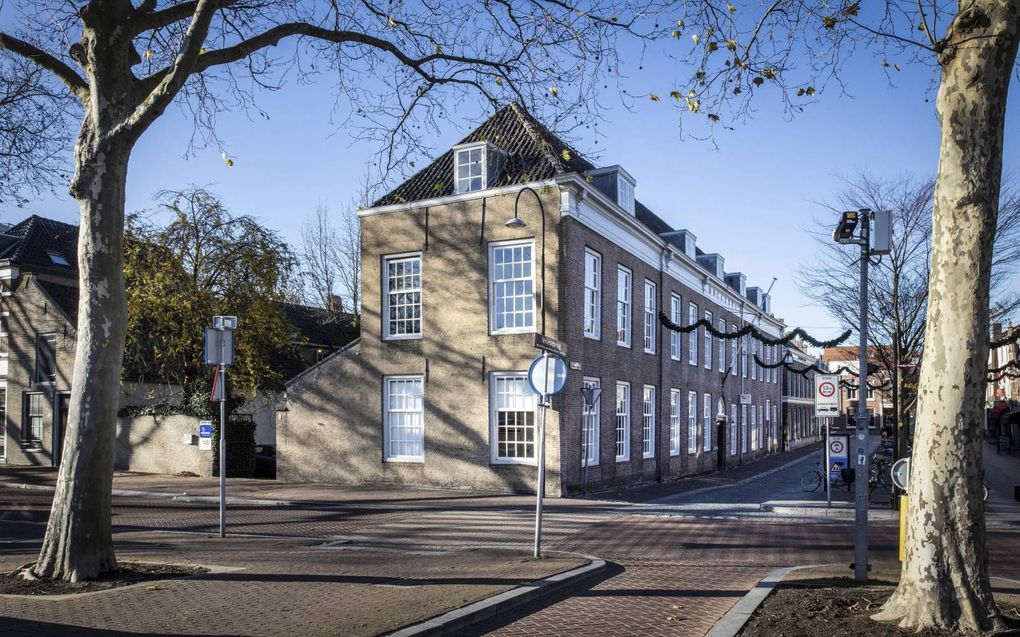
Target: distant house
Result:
[[878, 400], [38, 323], [800, 427]]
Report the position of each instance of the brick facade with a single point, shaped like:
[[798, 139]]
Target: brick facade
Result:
[[335, 421]]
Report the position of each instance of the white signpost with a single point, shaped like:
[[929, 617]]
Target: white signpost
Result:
[[547, 376], [826, 395]]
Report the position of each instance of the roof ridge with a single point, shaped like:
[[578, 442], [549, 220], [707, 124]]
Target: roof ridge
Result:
[[530, 126]]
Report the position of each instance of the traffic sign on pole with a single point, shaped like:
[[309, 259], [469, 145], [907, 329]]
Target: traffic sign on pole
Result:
[[826, 395]]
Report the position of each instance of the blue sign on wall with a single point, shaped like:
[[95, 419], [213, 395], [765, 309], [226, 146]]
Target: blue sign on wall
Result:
[[205, 430]]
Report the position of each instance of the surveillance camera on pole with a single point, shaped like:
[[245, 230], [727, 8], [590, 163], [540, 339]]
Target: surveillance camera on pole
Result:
[[854, 227]]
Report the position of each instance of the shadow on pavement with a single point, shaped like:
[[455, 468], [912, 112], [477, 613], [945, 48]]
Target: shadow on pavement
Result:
[[15, 627]]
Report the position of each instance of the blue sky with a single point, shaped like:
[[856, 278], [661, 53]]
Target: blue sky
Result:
[[749, 195]]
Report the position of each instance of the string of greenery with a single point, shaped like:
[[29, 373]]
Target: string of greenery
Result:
[[884, 386], [754, 332], [1005, 340], [843, 369], [1008, 366]]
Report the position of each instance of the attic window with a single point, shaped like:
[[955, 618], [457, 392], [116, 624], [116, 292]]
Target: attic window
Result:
[[470, 169], [626, 195], [58, 259]]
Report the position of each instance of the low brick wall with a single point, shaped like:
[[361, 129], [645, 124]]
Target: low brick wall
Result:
[[161, 444]]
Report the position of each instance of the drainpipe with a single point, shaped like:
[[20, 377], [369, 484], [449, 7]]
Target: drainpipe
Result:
[[663, 264]]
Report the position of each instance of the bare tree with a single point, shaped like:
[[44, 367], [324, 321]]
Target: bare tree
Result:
[[331, 260], [796, 48], [898, 285], [396, 66], [33, 131]]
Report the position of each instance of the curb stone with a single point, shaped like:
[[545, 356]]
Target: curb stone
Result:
[[456, 620], [735, 619]]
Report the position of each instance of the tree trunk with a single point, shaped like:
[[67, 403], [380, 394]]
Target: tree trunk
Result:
[[944, 581], [79, 539]]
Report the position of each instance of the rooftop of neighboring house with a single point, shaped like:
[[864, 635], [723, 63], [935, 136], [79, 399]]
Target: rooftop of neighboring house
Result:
[[319, 327], [531, 152], [847, 353], [40, 243]]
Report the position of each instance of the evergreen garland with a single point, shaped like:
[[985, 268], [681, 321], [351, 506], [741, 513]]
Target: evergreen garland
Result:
[[843, 369], [755, 333]]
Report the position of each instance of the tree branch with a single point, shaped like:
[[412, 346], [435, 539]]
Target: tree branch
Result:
[[171, 82], [36, 55]]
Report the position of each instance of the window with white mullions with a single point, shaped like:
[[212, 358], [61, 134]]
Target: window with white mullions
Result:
[[692, 422], [675, 415], [592, 294], [722, 347], [622, 422], [648, 422], [591, 417], [404, 410], [692, 337], [512, 278], [650, 320], [733, 429], [708, 341], [402, 297], [707, 416], [513, 406], [734, 343], [32, 436], [470, 169], [675, 315], [623, 303]]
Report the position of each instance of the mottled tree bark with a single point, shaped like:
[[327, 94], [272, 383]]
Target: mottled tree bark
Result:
[[944, 582]]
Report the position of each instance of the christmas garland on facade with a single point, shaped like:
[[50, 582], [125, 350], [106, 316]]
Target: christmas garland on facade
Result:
[[754, 332], [804, 371]]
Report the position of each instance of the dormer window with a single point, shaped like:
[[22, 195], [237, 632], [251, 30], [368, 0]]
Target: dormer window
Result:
[[616, 183], [58, 259], [470, 169], [476, 166]]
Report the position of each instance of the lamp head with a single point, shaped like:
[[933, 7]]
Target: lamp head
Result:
[[515, 222]]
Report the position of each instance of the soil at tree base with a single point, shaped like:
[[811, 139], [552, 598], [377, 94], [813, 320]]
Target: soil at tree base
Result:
[[128, 573], [837, 611]]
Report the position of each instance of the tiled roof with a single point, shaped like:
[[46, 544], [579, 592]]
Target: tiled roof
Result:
[[318, 327], [65, 296], [533, 154], [30, 243]]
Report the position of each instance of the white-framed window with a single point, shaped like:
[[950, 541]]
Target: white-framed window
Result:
[[512, 407], [591, 418], [851, 393], [4, 320], [761, 425], [45, 358], [708, 417], [743, 429], [754, 428], [33, 424], [404, 418], [722, 347], [512, 287], [708, 340], [675, 315], [871, 393], [648, 422], [470, 167], [402, 296], [650, 318], [623, 295], [622, 421], [675, 415], [745, 342], [592, 294], [625, 192], [692, 422], [692, 338], [734, 345], [753, 362], [733, 429]]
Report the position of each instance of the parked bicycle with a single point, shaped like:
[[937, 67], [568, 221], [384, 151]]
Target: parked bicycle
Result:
[[814, 478]]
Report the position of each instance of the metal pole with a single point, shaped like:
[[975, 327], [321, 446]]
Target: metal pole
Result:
[[861, 471], [223, 451], [540, 490], [828, 478]]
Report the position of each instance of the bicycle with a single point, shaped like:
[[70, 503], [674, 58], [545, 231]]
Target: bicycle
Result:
[[813, 478]]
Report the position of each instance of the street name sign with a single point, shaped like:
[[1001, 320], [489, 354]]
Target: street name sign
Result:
[[826, 395]]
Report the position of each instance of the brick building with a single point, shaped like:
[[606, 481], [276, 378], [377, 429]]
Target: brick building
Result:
[[38, 325], [879, 401], [800, 427], [509, 234]]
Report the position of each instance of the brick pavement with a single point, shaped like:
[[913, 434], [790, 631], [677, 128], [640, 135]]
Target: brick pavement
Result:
[[278, 586]]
